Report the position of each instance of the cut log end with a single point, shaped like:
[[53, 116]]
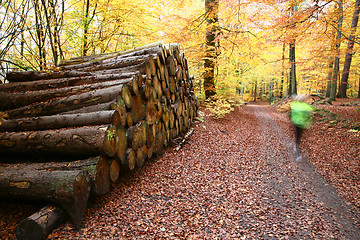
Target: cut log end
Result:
[[40, 224], [82, 189]]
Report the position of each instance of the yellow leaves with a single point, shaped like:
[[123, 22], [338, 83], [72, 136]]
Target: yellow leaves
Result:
[[220, 106]]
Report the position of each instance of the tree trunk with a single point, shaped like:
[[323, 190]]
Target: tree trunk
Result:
[[13, 100], [29, 76], [114, 170], [88, 61], [39, 225], [96, 167], [94, 108], [82, 141], [349, 52], [61, 121], [292, 59], [337, 49], [211, 8], [329, 77], [55, 106], [68, 189]]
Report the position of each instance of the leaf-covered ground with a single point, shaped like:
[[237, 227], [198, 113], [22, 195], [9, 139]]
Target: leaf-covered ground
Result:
[[235, 178]]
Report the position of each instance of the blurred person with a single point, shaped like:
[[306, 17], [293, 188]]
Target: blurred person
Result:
[[300, 115]]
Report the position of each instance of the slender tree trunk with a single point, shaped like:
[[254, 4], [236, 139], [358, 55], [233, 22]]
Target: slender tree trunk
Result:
[[359, 88], [292, 87], [329, 76], [335, 75], [349, 53], [292, 59], [40, 35], [86, 28], [211, 7], [255, 91], [282, 72]]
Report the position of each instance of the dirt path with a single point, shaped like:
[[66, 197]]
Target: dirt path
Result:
[[237, 178]]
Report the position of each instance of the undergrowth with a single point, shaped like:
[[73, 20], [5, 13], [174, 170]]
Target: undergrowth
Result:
[[219, 106]]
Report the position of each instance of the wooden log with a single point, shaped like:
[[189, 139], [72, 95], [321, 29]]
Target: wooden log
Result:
[[151, 112], [120, 107], [96, 167], [65, 104], [15, 100], [40, 224], [137, 135], [121, 144], [150, 150], [150, 135], [68, 189], [17, 76], [131, 158], [115, 63], [129, 119], [158, 150], [66, 82], [61, 121], [140, 157], [138, 109], [114, 171], [86, 61], [93, 108], [80, 142]]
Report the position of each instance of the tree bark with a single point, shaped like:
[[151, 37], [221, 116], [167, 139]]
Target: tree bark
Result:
[[78, 142], [68, 189], [11, 100], [114, 170], [28, 76], [61, 121], [88, 78], [349, 52], [40, 224], [87, 61], [122, 142], [335, 75], [55, 106], [97, 168], [211, 8], [94, 108]]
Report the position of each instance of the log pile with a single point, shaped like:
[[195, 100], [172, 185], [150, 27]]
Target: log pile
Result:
[[67, 134]]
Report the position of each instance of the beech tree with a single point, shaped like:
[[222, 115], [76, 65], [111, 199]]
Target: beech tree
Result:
[[211, 7], [349, 52]]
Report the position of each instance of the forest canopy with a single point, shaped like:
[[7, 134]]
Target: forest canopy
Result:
[[254, 49]]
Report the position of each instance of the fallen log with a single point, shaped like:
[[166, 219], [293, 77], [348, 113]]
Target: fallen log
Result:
[[78, 142], [65, 104], [68, 189], [61, 121], [40, 224]]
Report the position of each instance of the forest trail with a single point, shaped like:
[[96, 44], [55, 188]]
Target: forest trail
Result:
[[236, 178]]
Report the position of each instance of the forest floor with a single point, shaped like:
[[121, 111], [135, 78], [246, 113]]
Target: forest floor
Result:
[[235, 178]]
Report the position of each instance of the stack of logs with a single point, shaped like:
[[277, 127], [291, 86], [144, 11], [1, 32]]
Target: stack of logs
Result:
[[69, 132]]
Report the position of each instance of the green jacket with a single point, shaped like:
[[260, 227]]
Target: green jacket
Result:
[[300, 114]]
